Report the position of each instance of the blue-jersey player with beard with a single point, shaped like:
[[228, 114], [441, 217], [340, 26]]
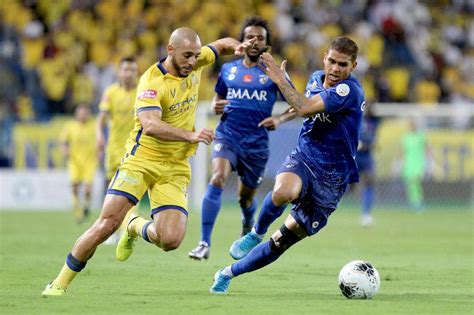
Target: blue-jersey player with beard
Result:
[[316, 174], [245, 97]]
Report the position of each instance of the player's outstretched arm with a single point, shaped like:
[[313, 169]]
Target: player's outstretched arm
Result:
[[155, 127], [229, 45], [300, 103], [272, 123]]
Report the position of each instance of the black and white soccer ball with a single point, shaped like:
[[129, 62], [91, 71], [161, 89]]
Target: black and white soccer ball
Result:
[[359, 280]]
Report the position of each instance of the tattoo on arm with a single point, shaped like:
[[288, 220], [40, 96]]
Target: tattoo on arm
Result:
[[293, 97]]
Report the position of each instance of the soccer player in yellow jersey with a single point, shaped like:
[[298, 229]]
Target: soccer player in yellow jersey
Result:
[[78, 145], [157, 155], [116, 110]]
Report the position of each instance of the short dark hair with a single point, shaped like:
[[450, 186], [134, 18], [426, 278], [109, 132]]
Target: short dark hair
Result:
[[255, 21], [128, 59], [346, 46]]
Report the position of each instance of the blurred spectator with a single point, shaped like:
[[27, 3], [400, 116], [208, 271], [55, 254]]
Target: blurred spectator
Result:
[[68, 46]]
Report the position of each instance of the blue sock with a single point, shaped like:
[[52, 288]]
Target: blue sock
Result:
[[268, 214], [249, 213], [211, 204], [367, 200], [258, 257]]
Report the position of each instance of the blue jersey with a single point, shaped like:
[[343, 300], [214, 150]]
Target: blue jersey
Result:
[[328, 141], [368, 130], [251, 95]]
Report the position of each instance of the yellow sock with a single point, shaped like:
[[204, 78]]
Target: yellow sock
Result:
[[138, 227], [124, 224], [65, 277]]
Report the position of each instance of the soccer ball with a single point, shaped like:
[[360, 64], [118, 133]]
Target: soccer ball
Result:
[[359, 280]]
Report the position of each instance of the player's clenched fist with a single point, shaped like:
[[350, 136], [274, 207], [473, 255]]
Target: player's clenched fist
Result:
[[218, 106], [205, 135], [269, 66]]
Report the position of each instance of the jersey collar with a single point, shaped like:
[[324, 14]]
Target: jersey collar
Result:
[[160, 66]]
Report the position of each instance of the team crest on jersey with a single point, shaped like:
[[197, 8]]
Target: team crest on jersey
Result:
[[248, 78], [218, 147], [147, 94], [314, 85], [263, 79], [231, 77], [315, 224], [233, 69], [343, 89]]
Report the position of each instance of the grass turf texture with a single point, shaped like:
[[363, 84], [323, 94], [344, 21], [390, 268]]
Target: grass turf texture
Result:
[[425, 262]]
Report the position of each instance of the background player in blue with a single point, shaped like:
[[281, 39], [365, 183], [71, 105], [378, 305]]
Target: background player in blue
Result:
[[245, 97], [365, 162], [316, 173]]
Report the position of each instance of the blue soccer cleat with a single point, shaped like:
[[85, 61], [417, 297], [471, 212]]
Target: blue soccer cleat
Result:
[[241, 247], [221, 283]]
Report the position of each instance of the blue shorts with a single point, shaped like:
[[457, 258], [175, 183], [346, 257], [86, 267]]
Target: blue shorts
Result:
[[318, 198], [365, 162], [249, 166]]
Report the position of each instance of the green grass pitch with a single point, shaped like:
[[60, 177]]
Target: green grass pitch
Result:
[[425, 262]]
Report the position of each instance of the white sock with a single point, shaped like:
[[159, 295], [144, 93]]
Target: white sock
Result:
[[227, 271], [260, 236]]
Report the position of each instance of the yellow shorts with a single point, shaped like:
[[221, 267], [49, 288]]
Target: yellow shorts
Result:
[[166, 181], [82, 172]]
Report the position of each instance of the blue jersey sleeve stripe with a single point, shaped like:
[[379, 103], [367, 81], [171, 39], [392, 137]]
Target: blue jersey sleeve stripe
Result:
[[214, 51], [168, 207], [144, 109], [130, 197]]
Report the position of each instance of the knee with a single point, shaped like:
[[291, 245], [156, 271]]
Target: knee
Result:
[[166, 241], [282, 196], [170, 243], [218, 179]]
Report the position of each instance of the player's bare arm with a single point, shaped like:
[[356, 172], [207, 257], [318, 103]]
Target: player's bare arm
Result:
[[155, 127], [102, 118], [302, 105], [272, 123], [229, 45], [218, 104]]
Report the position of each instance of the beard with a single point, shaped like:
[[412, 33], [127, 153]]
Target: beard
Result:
[[178, 68], [254, 58]]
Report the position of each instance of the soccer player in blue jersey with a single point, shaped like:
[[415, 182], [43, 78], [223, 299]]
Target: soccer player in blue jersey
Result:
[[245, 97], [365, 162], [317, 172]]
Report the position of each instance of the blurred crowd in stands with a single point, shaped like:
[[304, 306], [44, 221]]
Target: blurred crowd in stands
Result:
[[55, 54]]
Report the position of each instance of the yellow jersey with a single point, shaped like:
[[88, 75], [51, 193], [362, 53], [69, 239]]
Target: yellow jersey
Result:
[[81, 141], [177, 99], [119, 104]]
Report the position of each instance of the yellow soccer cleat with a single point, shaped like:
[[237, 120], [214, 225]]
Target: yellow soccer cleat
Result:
[[53, 289], [126, 243]]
